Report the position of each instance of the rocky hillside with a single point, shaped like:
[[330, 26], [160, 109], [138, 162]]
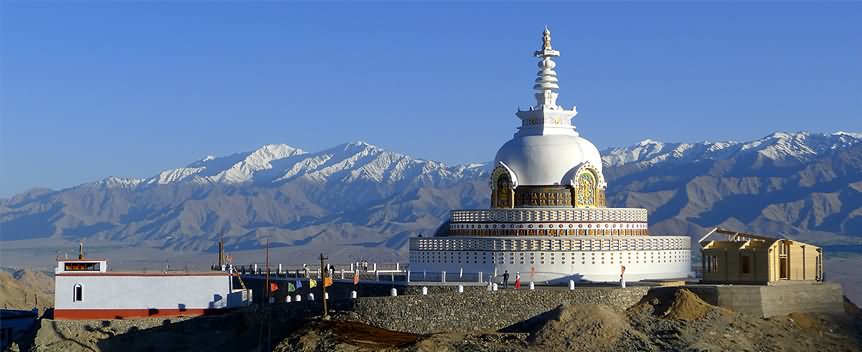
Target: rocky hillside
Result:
[[798, 184], [25, 289]]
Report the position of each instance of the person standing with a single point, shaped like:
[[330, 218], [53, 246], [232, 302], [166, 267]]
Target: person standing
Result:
[[506, 279]]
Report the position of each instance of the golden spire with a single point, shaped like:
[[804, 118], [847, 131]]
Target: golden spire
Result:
[[546, 37]]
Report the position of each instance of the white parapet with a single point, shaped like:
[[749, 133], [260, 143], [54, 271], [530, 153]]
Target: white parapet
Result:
[[298, 298], [532, 285], [460, 288], [424, 290], [352, 294], [572, 285], [393, 292]]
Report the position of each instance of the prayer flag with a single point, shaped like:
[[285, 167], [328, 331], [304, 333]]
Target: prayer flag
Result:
[[327, 281], [298, 283], [356, 278], [290, 287], [312, 283], [273, 287]]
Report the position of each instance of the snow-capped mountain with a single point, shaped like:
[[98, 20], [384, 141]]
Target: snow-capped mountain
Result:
[[361, 197], [274, 164], [779, 146]]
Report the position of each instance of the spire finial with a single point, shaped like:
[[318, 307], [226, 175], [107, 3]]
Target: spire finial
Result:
[[546, 84], [546, 117]]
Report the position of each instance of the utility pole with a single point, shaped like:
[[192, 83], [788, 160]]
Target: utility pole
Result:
[[221, 258], [266, 289], [323, 286]]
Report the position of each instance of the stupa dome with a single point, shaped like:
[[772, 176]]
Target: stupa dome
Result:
[[538, 160]]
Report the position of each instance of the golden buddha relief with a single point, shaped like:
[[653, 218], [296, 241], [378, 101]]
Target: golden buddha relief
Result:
[[502, 188], [586, 189]]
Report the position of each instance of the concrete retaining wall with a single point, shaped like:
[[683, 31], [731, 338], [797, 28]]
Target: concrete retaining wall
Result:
[[769, 301]]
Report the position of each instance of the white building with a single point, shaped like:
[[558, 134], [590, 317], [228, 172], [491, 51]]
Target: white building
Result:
[[548, 219], [85, 289]]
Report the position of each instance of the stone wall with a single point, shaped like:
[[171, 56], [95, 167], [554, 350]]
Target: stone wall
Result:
[[478, 310]]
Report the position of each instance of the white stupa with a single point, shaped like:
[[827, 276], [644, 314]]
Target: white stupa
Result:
[[548, 216], [547, 150]]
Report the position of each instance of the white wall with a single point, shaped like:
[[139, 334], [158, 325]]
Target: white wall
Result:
[[640, 265], [137, 292]]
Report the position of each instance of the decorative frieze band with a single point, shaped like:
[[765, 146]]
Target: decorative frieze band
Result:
[[552, 215], [638, 243]]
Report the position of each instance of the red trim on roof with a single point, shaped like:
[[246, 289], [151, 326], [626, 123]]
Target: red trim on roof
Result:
[[73, 314], [83, 260], [118, 273]]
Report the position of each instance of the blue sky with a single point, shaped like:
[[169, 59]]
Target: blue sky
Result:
[[91, 89]]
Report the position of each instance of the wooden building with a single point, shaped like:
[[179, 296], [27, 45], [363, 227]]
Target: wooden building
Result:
[[735, 257]]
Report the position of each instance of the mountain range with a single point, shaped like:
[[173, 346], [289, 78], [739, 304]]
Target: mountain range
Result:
[[800, 185]]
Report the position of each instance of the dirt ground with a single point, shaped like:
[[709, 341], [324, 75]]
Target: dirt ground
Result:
[[674, 320], [664, 320]]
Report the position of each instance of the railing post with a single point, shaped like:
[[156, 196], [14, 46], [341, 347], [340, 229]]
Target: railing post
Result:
[[443, 278]]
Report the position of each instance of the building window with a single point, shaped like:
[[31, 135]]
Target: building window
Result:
[[745, 265], [78, 294], [711, 262]]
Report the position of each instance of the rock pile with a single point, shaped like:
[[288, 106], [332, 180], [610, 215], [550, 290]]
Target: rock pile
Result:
[[673, 303], [568, 326]]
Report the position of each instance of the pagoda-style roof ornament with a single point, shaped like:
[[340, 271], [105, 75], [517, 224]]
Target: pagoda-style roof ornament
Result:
[[546, 39], [546, 117]]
